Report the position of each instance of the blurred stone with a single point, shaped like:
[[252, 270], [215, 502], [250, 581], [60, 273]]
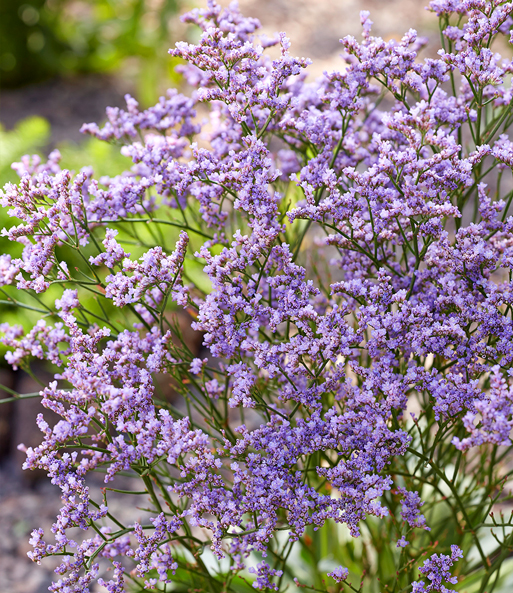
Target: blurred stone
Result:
[[193, 340], [24, 429], [6, 412]]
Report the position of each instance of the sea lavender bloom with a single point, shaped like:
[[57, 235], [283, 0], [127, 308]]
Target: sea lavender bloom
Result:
[[410, 513], [437, 570], [339, 574]]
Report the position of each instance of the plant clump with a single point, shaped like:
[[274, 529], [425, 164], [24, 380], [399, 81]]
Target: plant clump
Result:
[[345, 246]]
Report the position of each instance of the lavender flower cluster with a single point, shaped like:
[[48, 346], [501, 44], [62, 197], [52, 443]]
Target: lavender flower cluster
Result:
[[345, 246]]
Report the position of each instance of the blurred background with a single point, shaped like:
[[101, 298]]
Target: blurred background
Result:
[[61, 63], [65, 60]]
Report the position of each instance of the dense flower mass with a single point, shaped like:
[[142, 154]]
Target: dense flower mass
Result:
[[344, 247]]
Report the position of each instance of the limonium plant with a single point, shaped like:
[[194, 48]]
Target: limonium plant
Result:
[[345, 248]]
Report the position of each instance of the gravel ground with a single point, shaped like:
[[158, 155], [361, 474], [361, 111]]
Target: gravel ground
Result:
[[65, 103], [314, 29], [21, 510]]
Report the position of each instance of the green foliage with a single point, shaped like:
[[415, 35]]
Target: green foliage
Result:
[[28, 137], [105, 159], [43, 38], [30, 50]]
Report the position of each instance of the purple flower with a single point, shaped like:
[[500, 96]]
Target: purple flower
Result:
[[264, 575], [437, 570], [113, 253], [410, 513], [339, 574], [152, 280]]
